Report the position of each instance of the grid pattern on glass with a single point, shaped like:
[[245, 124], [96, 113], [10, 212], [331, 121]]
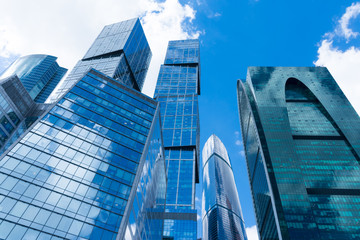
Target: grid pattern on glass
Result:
[[183, 52], [71, 175], [121, 51], [37, 73], [315, 178], [148, 207], [8, 120], [179, 119], [177, 91], [180, 185], [177, 80], [50, 85], [221, 211], [179, 229]]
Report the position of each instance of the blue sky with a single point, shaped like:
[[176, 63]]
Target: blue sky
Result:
[[239, 34], [234, 35]]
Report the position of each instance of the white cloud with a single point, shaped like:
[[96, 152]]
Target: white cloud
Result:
[[251, 233], [66, 28], [344, 67], [238, 142], [242, 153], [343, 28], [343, 64]]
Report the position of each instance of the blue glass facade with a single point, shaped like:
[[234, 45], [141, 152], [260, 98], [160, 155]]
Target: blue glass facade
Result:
[[17, 110], [301, 138], [177, 91], [221, 212], [39, 74], [81, 171], [121, 51]]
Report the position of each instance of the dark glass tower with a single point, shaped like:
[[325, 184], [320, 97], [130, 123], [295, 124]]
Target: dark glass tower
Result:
[[177, 91], [39, 74], [221, 212], [302, 144], [87, 169], [121, 51]]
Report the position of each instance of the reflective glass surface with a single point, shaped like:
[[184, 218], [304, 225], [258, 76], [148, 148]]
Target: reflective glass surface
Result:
[[38, 73], [304, 135], [221, 212], [121, 51], [177, 91], [148, 206], [72, 174]]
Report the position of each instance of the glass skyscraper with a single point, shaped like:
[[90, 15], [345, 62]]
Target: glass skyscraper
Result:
[[93, 166], [39, 74], [221, 211], [121, 51], [177, 91], [302, 145], [87, 168]]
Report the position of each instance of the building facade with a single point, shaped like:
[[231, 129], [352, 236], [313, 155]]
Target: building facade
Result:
[[39, 74], [177, 90], [301, 139], [86, 168], [221, 211], [121, 51], [17, 110]]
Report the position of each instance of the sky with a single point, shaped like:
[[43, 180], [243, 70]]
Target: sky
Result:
[[233, 35]]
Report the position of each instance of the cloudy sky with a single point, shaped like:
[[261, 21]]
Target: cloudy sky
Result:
[[233, 34]]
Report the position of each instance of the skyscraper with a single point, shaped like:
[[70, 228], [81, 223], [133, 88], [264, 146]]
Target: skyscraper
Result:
[[92, 167], [121, 51], [177, 91], [39, 74], [221, 212], [17, 110], [302, 143], [87, 169]]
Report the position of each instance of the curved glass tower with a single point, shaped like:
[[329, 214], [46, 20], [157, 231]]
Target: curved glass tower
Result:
[[302, 146], [221, 211]]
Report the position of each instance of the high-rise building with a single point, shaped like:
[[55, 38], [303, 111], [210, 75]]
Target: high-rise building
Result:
[[17, 110], [121, 51], [177, 91], [221, 211], [91, 168], [302, 144], [39, 74]]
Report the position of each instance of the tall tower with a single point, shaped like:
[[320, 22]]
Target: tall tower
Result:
[[221, 211], [121, 51], [39, 74], [302, 143], [93, 166], [177, 91]]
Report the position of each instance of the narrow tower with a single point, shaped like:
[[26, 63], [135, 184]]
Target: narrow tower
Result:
[[177, 91], [221, 211]]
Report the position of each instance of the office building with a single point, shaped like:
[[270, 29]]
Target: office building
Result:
[[17, 110], [221, 211], [38, 73], [87, 169], [121, 52], [177, 91], [302, 144]]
